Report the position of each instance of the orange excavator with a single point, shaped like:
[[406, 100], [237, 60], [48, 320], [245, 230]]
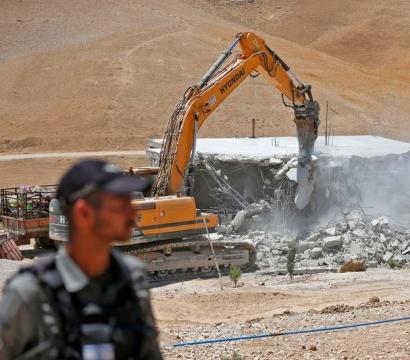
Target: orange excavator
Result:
[[169, 237]]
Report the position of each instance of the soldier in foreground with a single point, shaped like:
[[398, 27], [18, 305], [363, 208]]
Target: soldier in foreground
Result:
[[89, 302]]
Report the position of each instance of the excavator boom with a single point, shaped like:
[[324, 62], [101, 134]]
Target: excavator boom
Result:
[[199, 101]]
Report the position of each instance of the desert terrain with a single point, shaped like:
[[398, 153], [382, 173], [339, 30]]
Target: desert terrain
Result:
[[105, 76], [199, 309], [99, 75]]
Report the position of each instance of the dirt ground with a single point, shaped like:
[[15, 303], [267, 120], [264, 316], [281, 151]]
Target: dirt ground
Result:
[[95, 75], [199, 309]]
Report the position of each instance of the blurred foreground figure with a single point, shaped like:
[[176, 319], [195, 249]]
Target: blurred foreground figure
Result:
[[89, 302]]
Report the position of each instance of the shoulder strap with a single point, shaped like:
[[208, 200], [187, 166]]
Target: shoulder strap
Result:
[[54, 296]]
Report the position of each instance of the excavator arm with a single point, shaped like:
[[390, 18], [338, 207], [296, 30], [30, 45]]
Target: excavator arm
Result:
[[201, 100]]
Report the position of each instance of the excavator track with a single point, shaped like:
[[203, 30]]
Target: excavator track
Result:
[[182, 259]]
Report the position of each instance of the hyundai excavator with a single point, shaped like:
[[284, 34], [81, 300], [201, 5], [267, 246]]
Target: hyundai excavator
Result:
[[170, 234]]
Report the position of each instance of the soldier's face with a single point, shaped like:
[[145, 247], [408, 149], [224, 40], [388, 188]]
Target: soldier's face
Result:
[[114, 217]]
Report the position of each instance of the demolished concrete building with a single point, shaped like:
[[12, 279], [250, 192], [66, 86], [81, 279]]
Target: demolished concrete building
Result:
[[357, 205]]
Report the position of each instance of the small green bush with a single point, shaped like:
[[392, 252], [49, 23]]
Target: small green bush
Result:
[[394, 263], [234, 274]]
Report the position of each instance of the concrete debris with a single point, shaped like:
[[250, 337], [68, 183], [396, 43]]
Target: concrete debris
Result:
[[380, 223], [354, 243], [316, 253], [332, 242], [306, 184], [306, 245], [330, 231], [238, 221], [405, 248], [291, 164], [387, 256], [262, 195], [358, 250], [275, 161]]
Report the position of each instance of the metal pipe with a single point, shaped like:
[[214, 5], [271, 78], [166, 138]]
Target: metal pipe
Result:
[[290, 332], [218, 63], [193, 150]]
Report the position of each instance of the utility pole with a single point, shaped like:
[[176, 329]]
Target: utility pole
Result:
[[253, 128], [326, 135]]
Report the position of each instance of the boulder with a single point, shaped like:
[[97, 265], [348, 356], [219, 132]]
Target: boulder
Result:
[[357, 250], [347, 238], [238, 220], [387, 256], [372, 264], [405, 248], [330, 231], [353, 266], [263, 249], [339, 259], [306, 245], [254, 234], [382, 239], [332, 242], [361, 233], [275, 161], [380, 223], [316, 253], [394, 245], [313, 237], [353, 218]]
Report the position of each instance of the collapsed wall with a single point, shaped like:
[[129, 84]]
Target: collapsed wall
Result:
[[359, 206]]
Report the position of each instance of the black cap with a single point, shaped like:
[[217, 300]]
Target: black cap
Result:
[[89, 176]]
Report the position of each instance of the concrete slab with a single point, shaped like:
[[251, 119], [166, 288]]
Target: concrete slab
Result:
[[264, 147]]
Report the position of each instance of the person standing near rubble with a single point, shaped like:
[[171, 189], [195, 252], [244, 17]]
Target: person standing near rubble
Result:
[[88, 302]]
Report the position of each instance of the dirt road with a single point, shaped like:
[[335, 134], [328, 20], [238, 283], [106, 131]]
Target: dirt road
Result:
[[48, 170], [199, 309], [89, 154]]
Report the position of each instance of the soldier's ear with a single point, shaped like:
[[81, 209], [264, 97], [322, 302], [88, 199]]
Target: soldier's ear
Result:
[[83, 213]]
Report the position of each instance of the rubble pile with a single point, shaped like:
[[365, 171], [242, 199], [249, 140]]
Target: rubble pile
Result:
[[377, 241], [336, 220]]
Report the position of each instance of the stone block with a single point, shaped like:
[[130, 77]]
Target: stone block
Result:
[[316, 253], [313, 237], [405, 248], [306, 245], [357, 250], [332, 242], [387, 256], [361, 233], [330, 231]]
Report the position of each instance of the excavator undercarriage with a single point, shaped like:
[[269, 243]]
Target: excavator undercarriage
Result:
[[192, 257]]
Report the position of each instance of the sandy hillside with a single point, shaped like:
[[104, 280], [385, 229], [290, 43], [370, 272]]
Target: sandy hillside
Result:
[[91, 75]]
